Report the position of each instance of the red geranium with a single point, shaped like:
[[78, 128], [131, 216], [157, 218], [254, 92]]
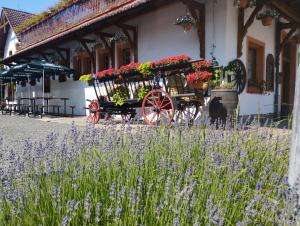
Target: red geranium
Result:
[[130, 68], [202, 76], [173, 60], [106, 73], [203, 64]]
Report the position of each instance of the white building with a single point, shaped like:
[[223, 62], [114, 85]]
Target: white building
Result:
[[77, 36]]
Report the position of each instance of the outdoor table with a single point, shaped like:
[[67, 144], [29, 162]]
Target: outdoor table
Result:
[[64, 99], [65, 104]]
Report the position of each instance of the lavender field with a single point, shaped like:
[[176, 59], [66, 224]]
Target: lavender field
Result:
[[149, 176]]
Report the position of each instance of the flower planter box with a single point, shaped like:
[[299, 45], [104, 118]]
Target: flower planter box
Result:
[[253, 89]]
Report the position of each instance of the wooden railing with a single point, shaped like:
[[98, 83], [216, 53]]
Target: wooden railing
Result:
[[67, 18]]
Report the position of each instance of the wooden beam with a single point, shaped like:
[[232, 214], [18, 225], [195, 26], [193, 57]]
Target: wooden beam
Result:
[[192, 3], [127, 27], [105, 34], [44, 56], [198, 13], [3, 25], [131, 42], [285, 10], [61, 55], [289, 25], [243, 28], [86, 40], [91, 55], [103, 39], [286, 39]]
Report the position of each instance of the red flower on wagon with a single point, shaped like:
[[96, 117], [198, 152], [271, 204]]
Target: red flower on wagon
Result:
[[203, 64], [203, 76], [173, 60], [130, 68], [106, 73]]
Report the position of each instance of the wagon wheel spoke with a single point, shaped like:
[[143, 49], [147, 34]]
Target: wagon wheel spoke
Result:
[[162, 102], [167, 104]]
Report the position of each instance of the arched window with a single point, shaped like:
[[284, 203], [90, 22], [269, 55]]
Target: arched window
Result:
[[270, 72]]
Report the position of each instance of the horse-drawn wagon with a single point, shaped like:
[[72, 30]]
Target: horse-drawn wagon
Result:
[[173, 89]]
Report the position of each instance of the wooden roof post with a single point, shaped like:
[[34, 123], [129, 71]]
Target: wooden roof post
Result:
[[294, 167]]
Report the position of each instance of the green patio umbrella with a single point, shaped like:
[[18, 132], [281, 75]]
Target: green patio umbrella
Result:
[[39, 68]]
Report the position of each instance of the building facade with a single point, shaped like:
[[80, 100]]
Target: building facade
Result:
[[78, 36]]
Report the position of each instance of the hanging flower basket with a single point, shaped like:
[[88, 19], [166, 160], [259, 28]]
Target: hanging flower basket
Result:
[[267, 17], [119, 37], [187, 22]]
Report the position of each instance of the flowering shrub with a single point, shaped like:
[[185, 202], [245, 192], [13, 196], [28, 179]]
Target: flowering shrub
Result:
[[86, 78], [149, 176], [202, 76], [146, 68], [174, 60], [106, 73], [131, 68]]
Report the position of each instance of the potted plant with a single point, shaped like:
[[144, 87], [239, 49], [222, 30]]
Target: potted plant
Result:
[[129, 70], [203, 65], [223, 95], [120, 94], [109, 73], [267, 16], [186, 21], [199, 79], [142, 91], [146, 69], [87, 78], [256, 87], [172, 62]]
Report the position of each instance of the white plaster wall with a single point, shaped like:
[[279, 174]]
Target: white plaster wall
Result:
[[11, 42], [74, 90]]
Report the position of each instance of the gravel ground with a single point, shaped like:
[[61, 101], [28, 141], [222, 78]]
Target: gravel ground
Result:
[[14, 130]]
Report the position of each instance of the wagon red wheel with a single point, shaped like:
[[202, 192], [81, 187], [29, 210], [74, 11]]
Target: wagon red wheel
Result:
[[158, 108], [94, 109]]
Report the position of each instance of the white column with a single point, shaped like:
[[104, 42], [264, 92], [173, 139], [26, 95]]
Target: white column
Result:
[[294, 167]]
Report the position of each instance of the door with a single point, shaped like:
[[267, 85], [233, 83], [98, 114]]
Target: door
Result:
[[288, 78]]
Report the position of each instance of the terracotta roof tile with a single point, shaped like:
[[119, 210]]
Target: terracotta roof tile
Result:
[[16, 17]]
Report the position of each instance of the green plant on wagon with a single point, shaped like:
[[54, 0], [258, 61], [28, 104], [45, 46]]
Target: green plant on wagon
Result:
[[142, 91], [120, 94], [86, 78], [146, 68]]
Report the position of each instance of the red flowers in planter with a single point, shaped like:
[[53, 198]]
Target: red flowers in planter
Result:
[[106, 73], [174, 60], [199, 76], [129, 69], [203, 64]]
